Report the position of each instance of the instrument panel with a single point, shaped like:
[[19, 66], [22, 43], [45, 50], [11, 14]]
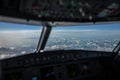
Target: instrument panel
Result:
[[52, 57], [55, 65]]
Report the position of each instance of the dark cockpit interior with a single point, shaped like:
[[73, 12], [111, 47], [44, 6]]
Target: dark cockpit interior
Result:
[[71, 39]]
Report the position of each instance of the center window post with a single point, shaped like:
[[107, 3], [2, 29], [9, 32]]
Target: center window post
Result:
[[44, 37]]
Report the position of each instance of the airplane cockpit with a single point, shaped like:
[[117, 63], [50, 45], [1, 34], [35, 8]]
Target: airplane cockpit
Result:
[[59, 39]]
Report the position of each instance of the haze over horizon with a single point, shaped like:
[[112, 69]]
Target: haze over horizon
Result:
[[13, 26]]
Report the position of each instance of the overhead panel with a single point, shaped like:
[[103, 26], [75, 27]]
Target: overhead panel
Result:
[[62, 10]]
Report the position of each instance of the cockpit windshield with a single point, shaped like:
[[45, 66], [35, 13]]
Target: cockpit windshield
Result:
[[100, 37], [18, 39]]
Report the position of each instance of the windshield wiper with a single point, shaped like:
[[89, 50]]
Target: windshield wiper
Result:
[[117, 48]]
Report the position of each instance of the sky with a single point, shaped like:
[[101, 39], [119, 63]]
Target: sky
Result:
[[13, 26]]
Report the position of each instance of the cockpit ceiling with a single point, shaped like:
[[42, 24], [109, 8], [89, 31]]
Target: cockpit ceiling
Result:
[[41, 23], [60, 12]]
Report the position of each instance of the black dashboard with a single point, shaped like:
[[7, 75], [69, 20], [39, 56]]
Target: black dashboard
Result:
[[56, 65]]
